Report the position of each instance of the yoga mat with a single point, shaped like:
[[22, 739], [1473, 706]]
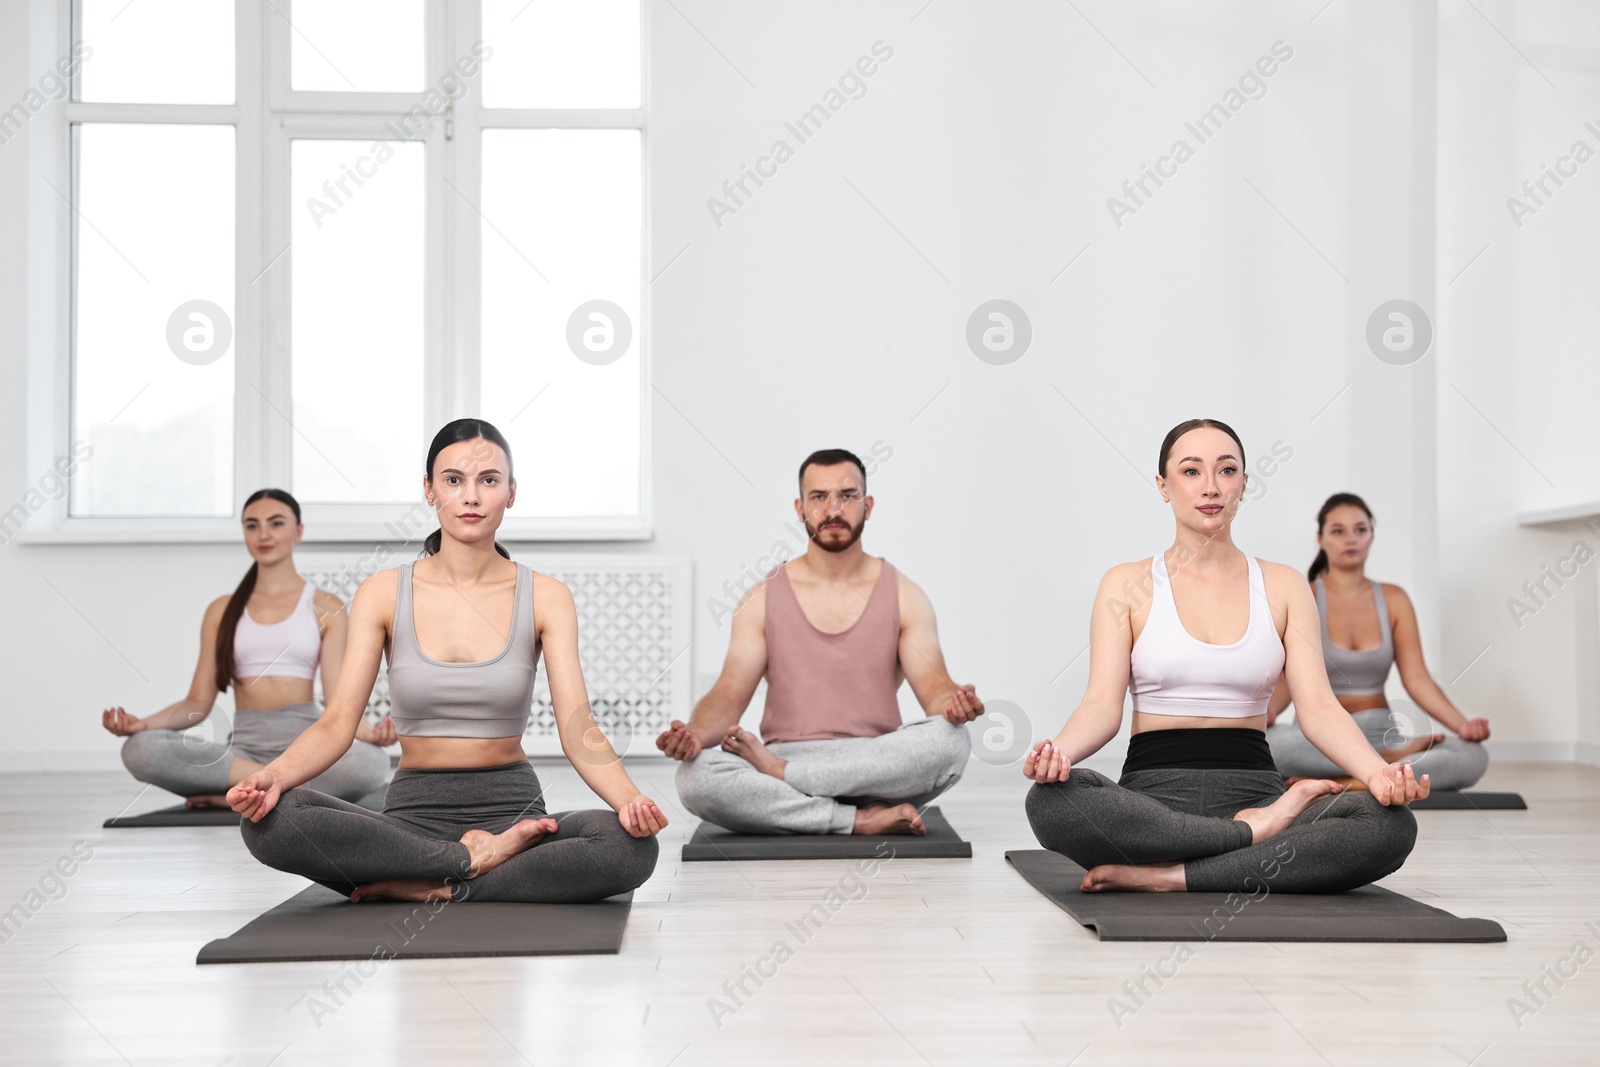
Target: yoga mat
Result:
[[1366, 914], [1456, 800], [319, 924], [712, 842], [180, 815]]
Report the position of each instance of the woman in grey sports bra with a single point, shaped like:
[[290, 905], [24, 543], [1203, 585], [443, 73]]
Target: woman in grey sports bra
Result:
[[464, 818], [1358, 675]]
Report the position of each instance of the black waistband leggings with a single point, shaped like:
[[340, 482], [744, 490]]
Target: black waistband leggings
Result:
[[417, 835]]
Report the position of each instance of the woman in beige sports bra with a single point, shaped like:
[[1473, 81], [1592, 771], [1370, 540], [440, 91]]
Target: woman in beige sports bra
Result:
[[269, 666], [1199, 634]]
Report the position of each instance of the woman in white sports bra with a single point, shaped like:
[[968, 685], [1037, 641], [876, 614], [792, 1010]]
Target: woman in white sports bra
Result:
[[464, 817], [269, 665], [1376, 629], [1199, 635]]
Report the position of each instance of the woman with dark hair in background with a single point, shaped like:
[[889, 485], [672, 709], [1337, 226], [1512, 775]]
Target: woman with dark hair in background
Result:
[[1368, 627], [270, 666], [1199, 633], [465, 815]]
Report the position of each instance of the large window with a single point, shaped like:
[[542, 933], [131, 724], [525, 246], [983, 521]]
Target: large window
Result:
[[293, 238]]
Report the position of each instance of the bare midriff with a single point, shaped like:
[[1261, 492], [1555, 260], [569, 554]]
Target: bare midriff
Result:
[[270, 691], [1363, 703], [1144, 720], [432, 753]]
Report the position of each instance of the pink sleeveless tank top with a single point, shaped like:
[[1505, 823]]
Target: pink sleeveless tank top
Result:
[[822, 685]]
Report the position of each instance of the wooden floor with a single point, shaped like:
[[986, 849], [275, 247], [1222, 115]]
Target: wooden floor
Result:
[[941, 961]]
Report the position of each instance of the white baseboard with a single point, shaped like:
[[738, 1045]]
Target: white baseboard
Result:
[[108, 758], [1533, 752]]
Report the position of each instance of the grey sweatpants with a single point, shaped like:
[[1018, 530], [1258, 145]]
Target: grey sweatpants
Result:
[[825, 781], [1182, 815], [417, 835], [187, 764], [1450, 764]]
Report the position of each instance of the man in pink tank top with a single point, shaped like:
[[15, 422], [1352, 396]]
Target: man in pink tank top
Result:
[[834, 633]]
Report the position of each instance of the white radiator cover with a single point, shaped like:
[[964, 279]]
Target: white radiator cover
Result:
[[635, 615]]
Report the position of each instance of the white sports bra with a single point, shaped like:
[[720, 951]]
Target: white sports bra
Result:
[[1175, 673]]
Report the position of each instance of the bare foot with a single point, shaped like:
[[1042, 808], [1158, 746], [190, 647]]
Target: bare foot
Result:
[[743, 743], [883, 819], [1343, 781], [208, 800], [491, 850], [417, 889], [1146, 878], [1275, 818], [1421, 744]]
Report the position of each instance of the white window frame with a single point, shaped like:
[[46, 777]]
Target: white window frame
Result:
[[267, 116]]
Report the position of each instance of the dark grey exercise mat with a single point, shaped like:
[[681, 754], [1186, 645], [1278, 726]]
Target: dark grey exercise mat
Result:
[[712, 842], [1366, 914], [319, 924], [180, 815], [1456, 800], [177, 815]]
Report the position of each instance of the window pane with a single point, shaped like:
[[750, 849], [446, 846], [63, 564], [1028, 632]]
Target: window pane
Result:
[[157, 51], [564, 204], [356, 338], [153, 356], [561, 53], [355, 46]]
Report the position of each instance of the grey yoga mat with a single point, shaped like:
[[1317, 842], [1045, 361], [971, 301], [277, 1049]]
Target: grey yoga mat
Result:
[[1366, 914], [1456, 800], [712, 842], [320, 924], [180, 815]]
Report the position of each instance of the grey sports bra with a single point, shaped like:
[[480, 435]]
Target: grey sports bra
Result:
[[1352, 673], [487, 699]]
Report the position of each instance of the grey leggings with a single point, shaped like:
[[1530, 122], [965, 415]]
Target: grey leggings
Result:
[[1450, 764], [590, 857], [185, 763], [1177, 814], [825, 781]]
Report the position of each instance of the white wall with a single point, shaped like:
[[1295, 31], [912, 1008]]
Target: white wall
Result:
[[1518, 376], [984, 152]]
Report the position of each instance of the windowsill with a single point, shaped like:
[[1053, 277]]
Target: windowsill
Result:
[[226, 531]]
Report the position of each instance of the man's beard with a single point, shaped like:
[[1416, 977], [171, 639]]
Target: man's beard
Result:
[[835, 546]]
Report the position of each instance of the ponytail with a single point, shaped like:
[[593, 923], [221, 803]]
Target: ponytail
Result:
[[1319, 566], [230, 625]]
